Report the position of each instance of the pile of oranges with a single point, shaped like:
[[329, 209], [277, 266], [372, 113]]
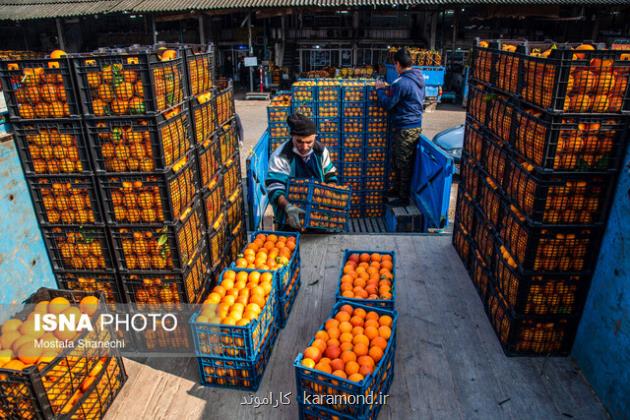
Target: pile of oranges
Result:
[[367, 276], [351, 345], [18, 340], [267, 252], [239, 299]]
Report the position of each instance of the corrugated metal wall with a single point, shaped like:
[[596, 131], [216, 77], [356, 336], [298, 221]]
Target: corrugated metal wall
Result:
[[602, 346], [24, 264]]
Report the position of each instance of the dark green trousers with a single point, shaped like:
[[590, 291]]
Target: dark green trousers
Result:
[[404, 152]]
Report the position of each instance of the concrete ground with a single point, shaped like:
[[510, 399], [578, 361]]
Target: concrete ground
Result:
[[253, 116]]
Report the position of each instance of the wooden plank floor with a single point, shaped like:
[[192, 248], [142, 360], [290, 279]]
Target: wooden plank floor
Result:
[[449, 364]]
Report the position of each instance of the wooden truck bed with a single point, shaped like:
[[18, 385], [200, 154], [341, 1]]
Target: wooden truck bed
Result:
[[449, 363]]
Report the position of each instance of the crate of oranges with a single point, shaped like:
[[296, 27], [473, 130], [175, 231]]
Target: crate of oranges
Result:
[[140, 144], [41, 382], [542, 294], [237, 374], [160, 247], [225, 104], [236, 315], [228, 140], [529, 335], [78, 248], [326, 206], [52, 147], [143, 81], [217, 238], [171, 288], [368, 278], [278, 252], [352, 354], [203, 110], [104, 282], [287, 298], [199, 67], [231, 175], [39, 88], [208, 156], [149, 198], [66, 200], [280, 107]]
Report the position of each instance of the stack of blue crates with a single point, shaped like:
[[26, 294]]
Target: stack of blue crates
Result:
[[354, 128]]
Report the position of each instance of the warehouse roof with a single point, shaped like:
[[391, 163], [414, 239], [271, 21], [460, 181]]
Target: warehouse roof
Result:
[[36, 9]]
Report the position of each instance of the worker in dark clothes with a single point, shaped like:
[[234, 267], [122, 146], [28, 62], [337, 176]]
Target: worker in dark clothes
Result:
[[404, 100], [302, 157]]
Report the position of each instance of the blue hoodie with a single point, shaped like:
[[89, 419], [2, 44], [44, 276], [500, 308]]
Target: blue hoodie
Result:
[[404, 99]]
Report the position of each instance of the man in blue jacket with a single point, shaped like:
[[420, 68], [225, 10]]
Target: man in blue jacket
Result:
[[302, 157], [404, 100]]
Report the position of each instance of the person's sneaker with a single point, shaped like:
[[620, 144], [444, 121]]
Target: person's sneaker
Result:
[[399, 202]]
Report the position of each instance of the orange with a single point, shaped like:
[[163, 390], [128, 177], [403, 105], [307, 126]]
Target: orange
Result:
[[345, 327], [254, 276], [320, 344], [348, 356], [309, 363], [356, 321], [346, 337], [371, 323], [9, 338], [337, 364], [332, 342], [313, 353], [229, 275], [348, 294], [322, 335], [375, 257], [360, 312], [360, 339], [355, 377], [360, 349], [348, 269], [28, 353], [365, 370], [242, 276], [332, 352], [227, 284], [384, 332], [379, 342], [340, 373], [371, 332], [331, 323], [346, 346], [58, 305], [357, 331], [342, 316], [324, 360], [334, 332], [266, 277], [376, 353], [366, 360], [324, 367], [14, 365], [354, 257], [219, 290], [258, 300], [385, 320], [28, 328], [387, 265], [346, 287], [11, 325], [352, 367], [348, 309], [365, 257]]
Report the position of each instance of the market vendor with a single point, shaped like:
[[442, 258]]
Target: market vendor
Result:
[[301, 157]]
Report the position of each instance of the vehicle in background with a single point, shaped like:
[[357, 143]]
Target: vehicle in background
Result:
[[451, 141]]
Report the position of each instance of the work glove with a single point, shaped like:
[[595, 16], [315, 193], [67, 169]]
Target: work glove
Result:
[[293, 216]]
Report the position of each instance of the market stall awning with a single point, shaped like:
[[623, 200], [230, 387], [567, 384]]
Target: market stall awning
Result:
[[39, 9]]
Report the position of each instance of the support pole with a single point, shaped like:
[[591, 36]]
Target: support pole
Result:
[[202, 32], [60, 34], [251, 51], [455, 22], [153, 29], [434, 19]]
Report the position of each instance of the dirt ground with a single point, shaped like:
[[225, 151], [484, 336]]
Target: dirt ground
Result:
[[253, 116]]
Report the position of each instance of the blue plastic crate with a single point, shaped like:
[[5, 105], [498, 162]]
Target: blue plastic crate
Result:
[[375, 168], [328, 126], [330, 140], [275, 143], [322, 212], [352, 169], [279, 129], [288, 299], [328, 93], [370, 198], [311, 382], [353, 125], [355, 182], [353, 155], [377, 139], [329, 109], [371, 183], [306, 108], [374, 110], [370, 210], [231, 342], [304, 93], [376, 154], [381, 303], [352, 139], [244, 375], [354, 109], [376, 125], [278, 113], [283, 274], [335, 156], [354, 93]]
